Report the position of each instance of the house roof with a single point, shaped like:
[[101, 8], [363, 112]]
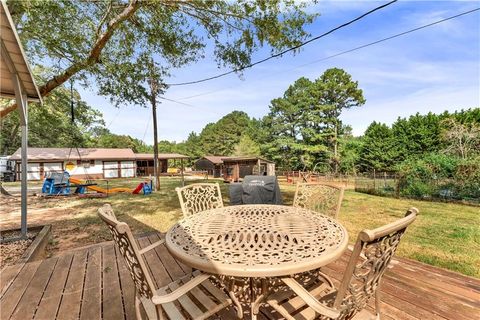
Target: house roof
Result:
[[72, 154], [149, 156], [13, 60]]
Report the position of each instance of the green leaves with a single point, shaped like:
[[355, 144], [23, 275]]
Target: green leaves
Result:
[[109, 42], [304, 124]]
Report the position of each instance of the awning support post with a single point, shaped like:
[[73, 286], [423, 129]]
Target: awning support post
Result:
[[22, 103], [183, 177]]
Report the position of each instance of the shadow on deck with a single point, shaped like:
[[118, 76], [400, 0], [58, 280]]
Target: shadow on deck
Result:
[[93, 283]]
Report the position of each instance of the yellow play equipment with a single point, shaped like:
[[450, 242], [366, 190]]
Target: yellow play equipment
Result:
[[99, 189]]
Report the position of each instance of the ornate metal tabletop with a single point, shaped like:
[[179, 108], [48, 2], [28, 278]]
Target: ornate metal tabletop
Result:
[[257, 240]]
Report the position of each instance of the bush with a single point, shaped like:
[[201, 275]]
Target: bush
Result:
[[426, 177], [467, 177]]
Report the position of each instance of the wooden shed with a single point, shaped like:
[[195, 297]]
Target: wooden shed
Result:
[[236, 168], [212, 164]]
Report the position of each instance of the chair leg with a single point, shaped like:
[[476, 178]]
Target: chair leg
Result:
[[158, 308], [377, 303], [137, 308]]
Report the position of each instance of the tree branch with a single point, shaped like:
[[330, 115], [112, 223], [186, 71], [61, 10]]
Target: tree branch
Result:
[[92, 58]]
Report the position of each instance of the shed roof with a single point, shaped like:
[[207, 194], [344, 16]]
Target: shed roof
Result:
[[246, 158], [85, 154], [13, 60], [216, 159], [149, 156], [222, 159]]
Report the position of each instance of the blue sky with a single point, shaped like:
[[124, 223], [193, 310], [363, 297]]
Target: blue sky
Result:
[[434, 69]]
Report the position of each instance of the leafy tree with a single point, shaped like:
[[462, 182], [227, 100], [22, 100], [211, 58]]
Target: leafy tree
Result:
[[112, 42], [378, 152], [417, 135], [333, 92], [304, 124], [192, 147], [110, 140], [50, 125], [285, 124], [350, 149], [220, 138], [246, 147]]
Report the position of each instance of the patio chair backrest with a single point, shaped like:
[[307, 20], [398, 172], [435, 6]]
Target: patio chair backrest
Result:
[[199, 197], [127, 245], [319, 197], [369, 260]]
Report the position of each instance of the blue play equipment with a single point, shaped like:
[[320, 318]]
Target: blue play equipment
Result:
[[147, 188], [56, 183]]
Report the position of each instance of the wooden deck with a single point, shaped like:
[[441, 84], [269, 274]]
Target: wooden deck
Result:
[[93, 283]]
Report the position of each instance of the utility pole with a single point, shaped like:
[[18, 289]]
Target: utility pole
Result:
[[154, 88], [335, 146]]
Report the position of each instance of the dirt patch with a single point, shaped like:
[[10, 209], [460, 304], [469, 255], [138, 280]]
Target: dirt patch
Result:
[[70, 235], [11, 252]]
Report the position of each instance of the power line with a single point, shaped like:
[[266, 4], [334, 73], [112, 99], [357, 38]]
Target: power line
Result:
[[285, 51], [114, 118], [179, 102], [391, 37], [146, 127], [356, 48]]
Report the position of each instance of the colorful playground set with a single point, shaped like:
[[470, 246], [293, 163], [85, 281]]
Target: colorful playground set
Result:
[[60, 183]]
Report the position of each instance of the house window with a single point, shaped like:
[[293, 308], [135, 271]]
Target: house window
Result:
[[92, 162]]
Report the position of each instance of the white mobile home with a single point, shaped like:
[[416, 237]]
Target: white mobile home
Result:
[[86, 163]]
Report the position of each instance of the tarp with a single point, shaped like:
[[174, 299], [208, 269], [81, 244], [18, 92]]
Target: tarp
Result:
[[256, 190]]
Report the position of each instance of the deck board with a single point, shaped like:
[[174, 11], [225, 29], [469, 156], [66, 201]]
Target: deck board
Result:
[[50, 301], [94, 283], [92, 289], [71, 301]]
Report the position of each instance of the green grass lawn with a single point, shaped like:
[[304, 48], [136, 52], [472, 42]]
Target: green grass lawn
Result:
[[444, 235]]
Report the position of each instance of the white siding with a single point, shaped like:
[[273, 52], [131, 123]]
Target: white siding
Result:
[[110, 169], [52, 167], [91, 169], [127, 169], [33, 171]]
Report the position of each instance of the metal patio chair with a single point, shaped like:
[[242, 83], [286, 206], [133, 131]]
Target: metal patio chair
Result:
[[323, 198], [199, 197], [320, 299], [191, 297]]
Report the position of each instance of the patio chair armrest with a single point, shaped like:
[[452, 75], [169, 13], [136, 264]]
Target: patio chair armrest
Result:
[[152, 246], [177, 293], [310, 300]]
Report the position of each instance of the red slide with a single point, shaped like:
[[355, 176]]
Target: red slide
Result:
[[138, 188]]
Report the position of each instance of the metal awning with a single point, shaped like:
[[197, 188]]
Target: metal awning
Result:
[[13, 61]]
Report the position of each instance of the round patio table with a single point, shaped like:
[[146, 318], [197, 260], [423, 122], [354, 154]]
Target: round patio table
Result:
[[257, 241]]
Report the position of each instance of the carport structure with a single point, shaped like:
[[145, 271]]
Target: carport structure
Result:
[[17, 83]]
